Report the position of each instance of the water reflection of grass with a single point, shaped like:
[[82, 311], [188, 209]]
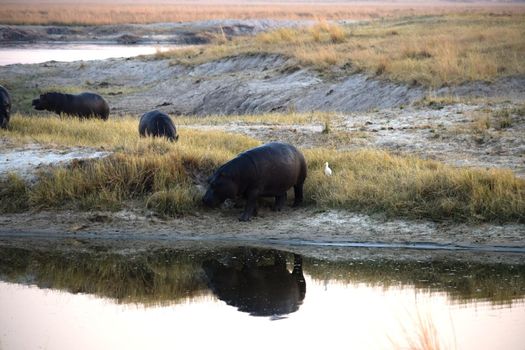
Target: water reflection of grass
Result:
[[169, 275], [462, 281], [162, 277]]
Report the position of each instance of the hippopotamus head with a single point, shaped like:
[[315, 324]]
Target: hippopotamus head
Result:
[[221, 186], [41, 103]]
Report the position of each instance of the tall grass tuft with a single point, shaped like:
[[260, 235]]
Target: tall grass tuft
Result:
[[13, 194], [377, 182], [178, 200]]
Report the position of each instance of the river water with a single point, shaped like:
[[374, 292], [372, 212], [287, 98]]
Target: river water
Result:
[[246, 297], [38, 53]]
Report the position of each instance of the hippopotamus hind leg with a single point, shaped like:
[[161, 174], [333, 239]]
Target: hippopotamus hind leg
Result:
[[298, 192], [251, 207], [279, 202]]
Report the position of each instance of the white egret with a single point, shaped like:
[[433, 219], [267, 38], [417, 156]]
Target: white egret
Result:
[[327, 170]]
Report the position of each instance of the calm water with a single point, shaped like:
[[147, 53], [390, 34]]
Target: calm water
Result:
[[240, 298], [72, 52]]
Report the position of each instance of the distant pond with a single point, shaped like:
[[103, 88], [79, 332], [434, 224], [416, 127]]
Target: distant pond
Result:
[[39, 53], [253, 298]]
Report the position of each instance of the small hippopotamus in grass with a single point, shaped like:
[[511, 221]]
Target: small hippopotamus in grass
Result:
[[5, 107], [265, 171], [157, 124], [84, 105]]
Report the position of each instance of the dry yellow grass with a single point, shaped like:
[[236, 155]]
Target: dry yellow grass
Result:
[[31, 12], [432, 51], [163, 175]]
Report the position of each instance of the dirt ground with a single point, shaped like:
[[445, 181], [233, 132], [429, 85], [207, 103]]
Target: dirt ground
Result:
[[449, 134]]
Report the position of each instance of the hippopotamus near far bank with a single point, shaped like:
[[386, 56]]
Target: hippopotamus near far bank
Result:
[[157, 124], [5, 107], [265, 171], [84, 105]]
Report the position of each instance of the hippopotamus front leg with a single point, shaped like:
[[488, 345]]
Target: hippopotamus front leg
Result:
[[251, 206], [279, 202]]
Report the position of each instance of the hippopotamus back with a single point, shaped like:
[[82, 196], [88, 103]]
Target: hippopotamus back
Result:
[[5, 107], [84, 105], [265, 171], [157, 124]]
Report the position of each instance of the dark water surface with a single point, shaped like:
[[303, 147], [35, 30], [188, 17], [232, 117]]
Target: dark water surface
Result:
[[257, 298]]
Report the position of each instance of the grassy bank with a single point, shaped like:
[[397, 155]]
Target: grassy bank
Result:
[[166, 177], [431, 51], [73, 13]]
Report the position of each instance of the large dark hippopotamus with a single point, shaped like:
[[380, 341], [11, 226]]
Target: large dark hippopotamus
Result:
[[261, 289], [5, 107], [84, 105], [265, 171], [157, 124]]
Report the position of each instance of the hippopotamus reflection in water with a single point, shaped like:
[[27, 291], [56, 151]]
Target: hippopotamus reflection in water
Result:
[[256, 288], [157, 124], [265, 171], [5, 107], [84, 105]]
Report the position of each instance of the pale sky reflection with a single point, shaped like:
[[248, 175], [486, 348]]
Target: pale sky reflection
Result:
[[25, 54], [333, 316]]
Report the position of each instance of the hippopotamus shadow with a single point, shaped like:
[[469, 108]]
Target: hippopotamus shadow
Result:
[[257, 288]]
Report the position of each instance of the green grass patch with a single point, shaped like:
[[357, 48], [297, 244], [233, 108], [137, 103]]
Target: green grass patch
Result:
[[165, 177]]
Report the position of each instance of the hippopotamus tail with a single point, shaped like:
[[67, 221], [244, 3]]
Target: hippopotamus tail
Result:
[[157, 124]]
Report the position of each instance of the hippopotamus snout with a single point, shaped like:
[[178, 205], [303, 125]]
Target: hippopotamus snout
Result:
[[36, 103], [210, 199]]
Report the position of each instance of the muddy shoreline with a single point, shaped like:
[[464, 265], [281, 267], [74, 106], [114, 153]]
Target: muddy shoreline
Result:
[[303, 229], [180, 33]]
